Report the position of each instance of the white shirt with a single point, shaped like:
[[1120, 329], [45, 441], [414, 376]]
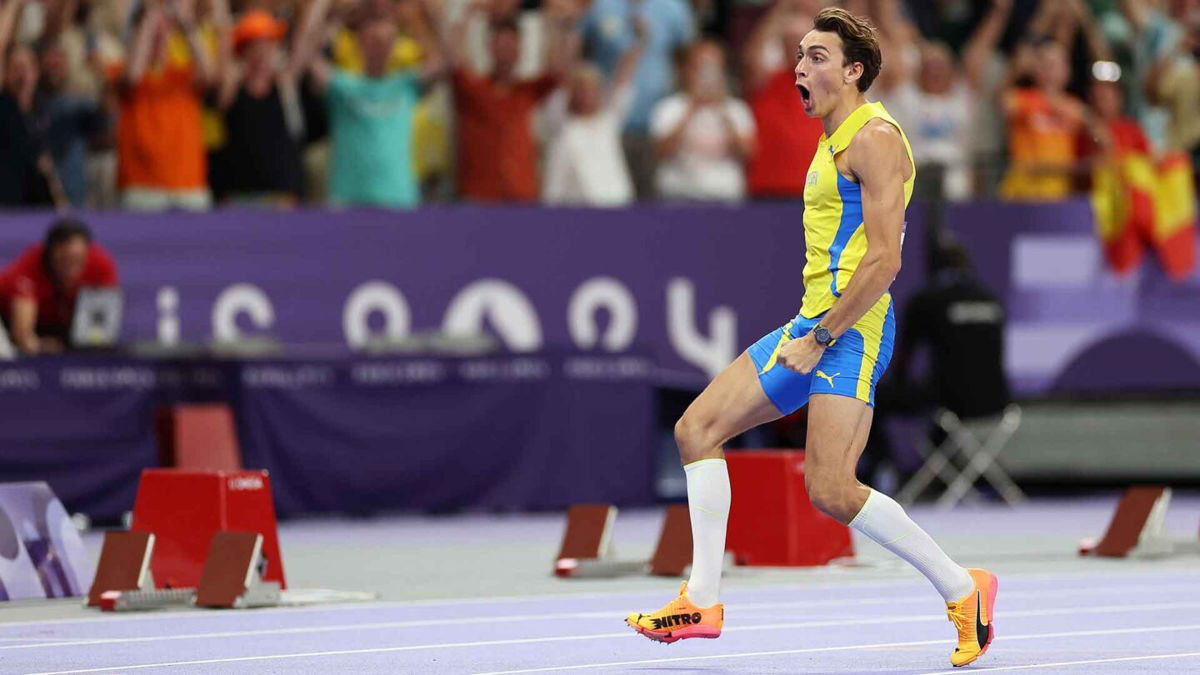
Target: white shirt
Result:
[[585, 164], [706, 166], [938, 129]]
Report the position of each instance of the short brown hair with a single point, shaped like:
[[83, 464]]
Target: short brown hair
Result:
[[859, 42]]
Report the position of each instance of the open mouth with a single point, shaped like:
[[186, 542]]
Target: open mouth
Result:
[[805, 95]]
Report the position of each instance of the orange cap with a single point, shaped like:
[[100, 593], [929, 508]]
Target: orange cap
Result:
[[257, 25]]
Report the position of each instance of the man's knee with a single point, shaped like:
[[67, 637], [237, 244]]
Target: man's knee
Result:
[[694, 436], [835, 497]]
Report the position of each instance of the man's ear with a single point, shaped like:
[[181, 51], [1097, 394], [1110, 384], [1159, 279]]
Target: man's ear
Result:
[[853, 72]]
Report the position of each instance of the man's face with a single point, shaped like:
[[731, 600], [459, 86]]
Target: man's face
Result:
[[937, 70], [586, 91], [376, 39], [22, 69], [1106, 100], [67, 260], [506, 49], [1050, 68], [54, 67], [260, 54], [821, 73]]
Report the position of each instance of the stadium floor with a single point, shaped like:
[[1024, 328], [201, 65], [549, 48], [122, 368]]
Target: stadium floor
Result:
[[500, 611]]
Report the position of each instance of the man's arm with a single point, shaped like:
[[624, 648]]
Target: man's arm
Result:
[[983, 41], [183, 14], [878, 160], [22, 323], [307, 44], [10, 13]]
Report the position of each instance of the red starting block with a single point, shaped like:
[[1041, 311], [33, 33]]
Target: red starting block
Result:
[[198, 437], [772, 522], [124, 565], [184, 509], [586, 549], [232, 575], [1138, 526]]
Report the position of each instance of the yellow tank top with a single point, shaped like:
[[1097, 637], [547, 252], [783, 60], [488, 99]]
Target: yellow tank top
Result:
[[834, 236]]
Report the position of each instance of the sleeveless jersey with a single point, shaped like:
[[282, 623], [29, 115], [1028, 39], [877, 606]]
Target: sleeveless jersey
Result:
[[834, 235]]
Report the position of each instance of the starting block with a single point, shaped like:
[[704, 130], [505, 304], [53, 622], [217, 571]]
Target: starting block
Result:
[[184, 509], [124, 565], [586, 549], [233, 573], [232, 576], [771, 521], [1138, 526]]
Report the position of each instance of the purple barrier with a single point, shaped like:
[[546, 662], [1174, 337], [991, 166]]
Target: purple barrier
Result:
[[350, 434], [693, 286], [1073, 326], [41, 554]]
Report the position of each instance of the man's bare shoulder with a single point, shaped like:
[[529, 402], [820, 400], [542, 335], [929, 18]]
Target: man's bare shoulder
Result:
[[878, 148]]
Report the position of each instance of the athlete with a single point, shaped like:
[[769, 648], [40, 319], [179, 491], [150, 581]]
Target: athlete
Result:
[[830, 355]]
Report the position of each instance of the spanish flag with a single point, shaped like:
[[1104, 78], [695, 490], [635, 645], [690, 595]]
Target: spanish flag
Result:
[[1123, 200], [1174, 235], [1139, 205]]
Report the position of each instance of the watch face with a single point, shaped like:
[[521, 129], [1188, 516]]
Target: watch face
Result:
[[822, 335]]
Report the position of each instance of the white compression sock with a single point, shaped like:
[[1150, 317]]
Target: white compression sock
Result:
[[886, 523], [708, 505]]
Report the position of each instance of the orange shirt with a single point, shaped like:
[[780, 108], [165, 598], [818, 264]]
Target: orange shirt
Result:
[[160, 142], [787, 138], [1041, 147], [497, 155]]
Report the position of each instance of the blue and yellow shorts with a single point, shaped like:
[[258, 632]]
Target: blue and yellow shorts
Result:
[[851, 366]]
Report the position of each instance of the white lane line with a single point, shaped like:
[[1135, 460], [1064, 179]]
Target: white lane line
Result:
[[1060, 664], [300, 630], [387, 650], [818, 585], [810, 650]]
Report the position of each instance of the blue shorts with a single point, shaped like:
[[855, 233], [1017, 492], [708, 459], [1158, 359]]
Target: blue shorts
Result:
[[851, 366]]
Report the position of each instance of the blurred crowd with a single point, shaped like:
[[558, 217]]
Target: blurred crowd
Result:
[[157, 104]]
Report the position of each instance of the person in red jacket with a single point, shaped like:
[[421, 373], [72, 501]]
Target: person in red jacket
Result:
[[39, 288]]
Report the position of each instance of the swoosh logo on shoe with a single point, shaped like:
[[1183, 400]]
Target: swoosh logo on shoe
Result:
[[982, 630]]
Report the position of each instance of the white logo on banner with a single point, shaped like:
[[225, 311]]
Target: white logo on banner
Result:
[[712, 354], [602, 293], [240, 299], [375, 296], [168, 315], [501, 304]]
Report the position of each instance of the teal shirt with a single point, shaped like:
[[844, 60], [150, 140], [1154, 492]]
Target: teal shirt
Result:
[[371, 120]]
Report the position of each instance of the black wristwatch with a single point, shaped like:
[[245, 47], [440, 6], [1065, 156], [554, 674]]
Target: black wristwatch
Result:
[[822, 335]]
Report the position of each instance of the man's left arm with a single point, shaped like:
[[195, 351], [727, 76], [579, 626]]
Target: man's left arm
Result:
[[878, 160]]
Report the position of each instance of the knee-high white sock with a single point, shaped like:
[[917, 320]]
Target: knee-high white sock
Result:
[[886, 523], [708, 505]]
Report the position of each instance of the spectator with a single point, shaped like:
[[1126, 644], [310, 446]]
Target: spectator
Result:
[[38, 289], [1174, 83], [259, 95], [160, 148], [25, 165], [497, 155], [787, 138], [937, 103], [584, 164], [702, 134], [71, 123], [607, 34], [530, 22], [1043, 122], [370, 114]]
